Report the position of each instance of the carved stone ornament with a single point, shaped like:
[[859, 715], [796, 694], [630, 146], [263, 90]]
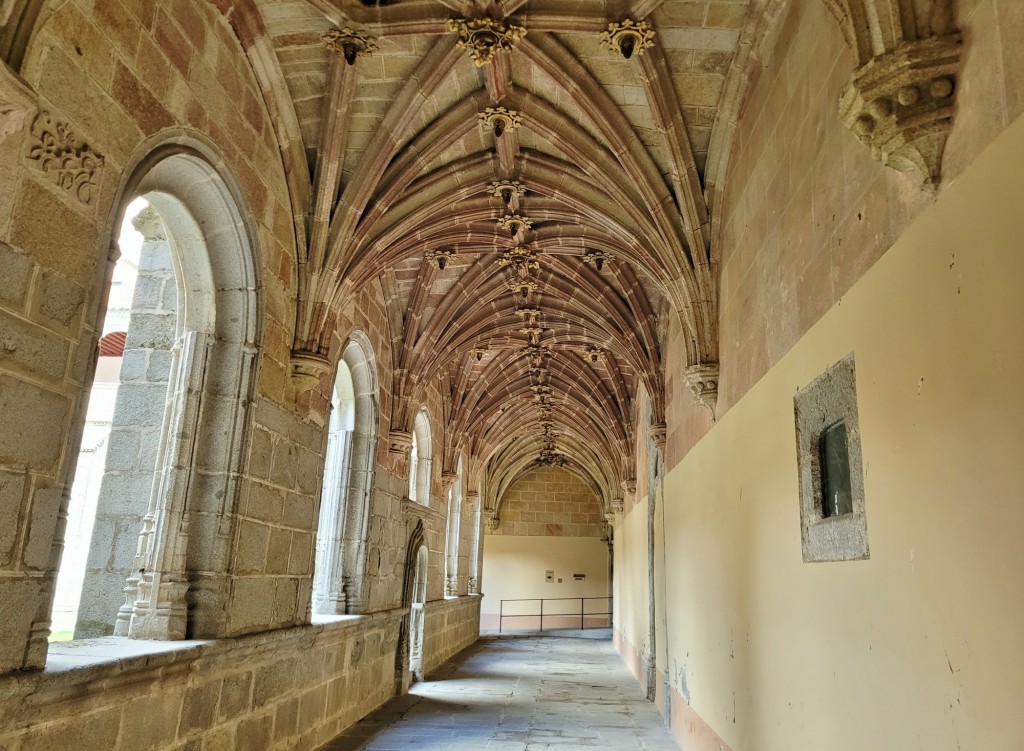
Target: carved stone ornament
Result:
[[519, 257], [149, 224], [308, 368], [507, 190], [901, 104], [500, 120], [350, 43], [628, 38], [483, 37], [491, 520], [703, 381], [399, 442], [65, 160], [594, 354], [441, 257], [523, 289], [629, 488], [447, 480], [658, 434], [514, 224], [618, 505], [597, 258]]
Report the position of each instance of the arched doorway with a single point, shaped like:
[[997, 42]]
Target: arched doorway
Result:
[[416, 615]]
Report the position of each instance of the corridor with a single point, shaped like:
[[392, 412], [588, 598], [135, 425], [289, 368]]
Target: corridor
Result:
[[519, 694]]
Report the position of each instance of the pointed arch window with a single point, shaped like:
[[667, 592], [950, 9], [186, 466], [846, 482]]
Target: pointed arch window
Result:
[[420, 460]]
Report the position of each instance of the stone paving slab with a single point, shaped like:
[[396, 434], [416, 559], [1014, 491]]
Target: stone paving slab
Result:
[[518, 694]]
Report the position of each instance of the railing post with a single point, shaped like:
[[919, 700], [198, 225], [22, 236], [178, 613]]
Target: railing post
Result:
[[501, 614], [542, 616], [581, 614]]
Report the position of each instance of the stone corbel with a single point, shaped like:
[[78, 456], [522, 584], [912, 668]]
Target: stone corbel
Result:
[[491, 520], [447, 480], [900, 104], [399, 447], [703, 381], [618, 506], [658, 433], [629, 489], [308, 368]]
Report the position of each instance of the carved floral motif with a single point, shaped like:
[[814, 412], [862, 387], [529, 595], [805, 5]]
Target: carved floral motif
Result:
[[66, 161]]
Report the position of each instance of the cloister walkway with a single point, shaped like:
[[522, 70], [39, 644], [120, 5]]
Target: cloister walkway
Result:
[[519, 694]]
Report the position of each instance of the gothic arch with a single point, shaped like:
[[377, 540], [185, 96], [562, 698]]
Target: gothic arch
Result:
[[359, 357], [178, 586]]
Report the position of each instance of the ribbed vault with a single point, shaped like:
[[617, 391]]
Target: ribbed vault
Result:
[[524, 182]]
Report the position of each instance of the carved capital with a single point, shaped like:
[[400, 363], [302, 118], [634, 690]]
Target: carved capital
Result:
[[703, 381], [900, 104], [308, 368], [618, 505], [483, 37], [350, 43], [400, 442], [447, 480], [149, 224], [491, 520], [658, 434]]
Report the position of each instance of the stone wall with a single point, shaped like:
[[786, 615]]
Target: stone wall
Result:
[[287, 689], [553, 502], [807, 209], [450, 626]]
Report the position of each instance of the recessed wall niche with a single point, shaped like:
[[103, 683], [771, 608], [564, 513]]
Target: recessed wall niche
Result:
[[833, 524]]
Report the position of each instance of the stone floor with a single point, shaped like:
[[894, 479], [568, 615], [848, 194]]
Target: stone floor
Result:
[[518, 694]]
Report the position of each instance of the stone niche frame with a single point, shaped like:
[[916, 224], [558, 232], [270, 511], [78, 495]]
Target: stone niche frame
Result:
[[829, 398]]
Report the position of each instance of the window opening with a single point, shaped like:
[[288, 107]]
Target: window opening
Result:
[[837, 496], [117, 456], [328, 597]]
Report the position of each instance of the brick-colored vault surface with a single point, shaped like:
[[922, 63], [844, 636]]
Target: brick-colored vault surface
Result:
[[536, 310], [519, 694]]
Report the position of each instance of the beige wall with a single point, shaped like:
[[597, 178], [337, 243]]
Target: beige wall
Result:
[[514, 569], [632, 620], [918, 647]]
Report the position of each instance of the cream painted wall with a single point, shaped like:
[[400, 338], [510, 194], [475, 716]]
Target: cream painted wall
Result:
[[631, 579], [919, 647], [514, 569]]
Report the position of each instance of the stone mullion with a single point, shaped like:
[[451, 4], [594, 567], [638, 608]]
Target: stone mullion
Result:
[[160, 610]]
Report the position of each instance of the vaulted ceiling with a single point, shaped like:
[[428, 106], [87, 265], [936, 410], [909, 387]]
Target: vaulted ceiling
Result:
[[525, 180]]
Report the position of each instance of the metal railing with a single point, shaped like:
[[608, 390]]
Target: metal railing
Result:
[[582, 614]]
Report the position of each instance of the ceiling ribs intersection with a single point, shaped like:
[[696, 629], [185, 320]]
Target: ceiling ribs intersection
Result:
[[593, 191]]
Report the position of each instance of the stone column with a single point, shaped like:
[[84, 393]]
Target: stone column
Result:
[[135, 438]]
